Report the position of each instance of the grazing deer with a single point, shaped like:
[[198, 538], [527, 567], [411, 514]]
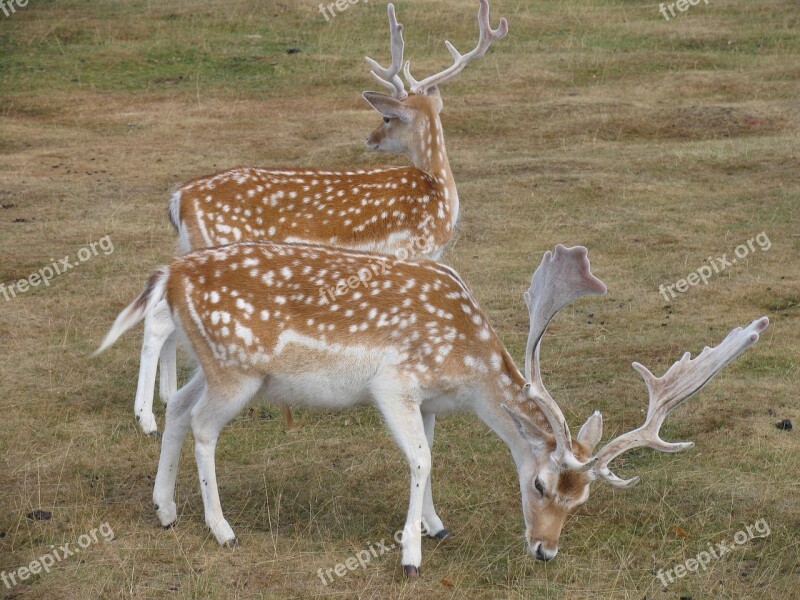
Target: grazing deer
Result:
[[408, 209], [413, 342]]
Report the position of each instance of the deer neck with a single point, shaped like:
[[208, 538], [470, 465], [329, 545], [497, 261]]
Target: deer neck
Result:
[[430, 156], [504, 386]]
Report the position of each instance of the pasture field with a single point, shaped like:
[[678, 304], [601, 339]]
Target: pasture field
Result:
[[655, 143]]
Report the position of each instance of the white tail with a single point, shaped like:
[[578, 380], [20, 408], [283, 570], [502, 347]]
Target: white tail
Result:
[[146, 301], [322, 327], [410, 210]]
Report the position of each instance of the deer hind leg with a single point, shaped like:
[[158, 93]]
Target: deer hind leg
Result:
[[168, 369], [158, 327], [433, 524], [175, 428], [215, 409], [404, 420], [288, 418]]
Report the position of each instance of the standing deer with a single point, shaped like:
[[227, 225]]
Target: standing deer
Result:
[[414, 343], [385, 210]]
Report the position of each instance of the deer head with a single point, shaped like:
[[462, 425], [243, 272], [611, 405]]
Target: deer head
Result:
[[411, 121], [566, 466]]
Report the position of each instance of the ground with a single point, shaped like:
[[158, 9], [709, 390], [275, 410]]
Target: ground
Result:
[[658, 144]]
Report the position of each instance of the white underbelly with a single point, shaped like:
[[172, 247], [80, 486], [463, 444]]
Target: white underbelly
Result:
[[308, 372], [318, 389]]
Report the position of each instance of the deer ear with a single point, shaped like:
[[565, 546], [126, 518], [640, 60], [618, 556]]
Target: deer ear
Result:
[[389, 107], [537, 437], [592, 431], [433, 92]]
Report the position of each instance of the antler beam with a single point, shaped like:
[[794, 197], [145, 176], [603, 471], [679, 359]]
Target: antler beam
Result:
[[562, 277], [487, 36], [388, 77], [683, 379]]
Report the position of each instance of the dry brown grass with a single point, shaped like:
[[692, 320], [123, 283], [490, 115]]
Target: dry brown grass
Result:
[[654, 144]]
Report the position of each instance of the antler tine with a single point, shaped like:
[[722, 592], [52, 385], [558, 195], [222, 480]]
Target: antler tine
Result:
[[683, 379], [562, 277], [388, 77], [487, 36]]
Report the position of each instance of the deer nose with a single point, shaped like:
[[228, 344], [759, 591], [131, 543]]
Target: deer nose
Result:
[[542, 553]]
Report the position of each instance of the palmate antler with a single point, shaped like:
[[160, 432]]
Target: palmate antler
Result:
[[389, 78], [564, 276], [683, 379]]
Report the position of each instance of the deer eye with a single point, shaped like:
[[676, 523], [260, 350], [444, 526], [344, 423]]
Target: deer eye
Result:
[[539, 487], [386, 119]]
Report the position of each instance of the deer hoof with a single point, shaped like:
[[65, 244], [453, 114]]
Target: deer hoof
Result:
[[411, 571], [167, 514], [147, 423]]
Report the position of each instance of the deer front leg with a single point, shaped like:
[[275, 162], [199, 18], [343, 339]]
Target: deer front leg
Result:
[[158, 327], [433, 524], [404, 420], [168, 369]]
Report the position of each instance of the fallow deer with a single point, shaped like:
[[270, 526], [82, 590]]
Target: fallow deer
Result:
[[385, 210], [413, 342]]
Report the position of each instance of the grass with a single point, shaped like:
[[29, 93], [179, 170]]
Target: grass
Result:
[[656, 144]]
